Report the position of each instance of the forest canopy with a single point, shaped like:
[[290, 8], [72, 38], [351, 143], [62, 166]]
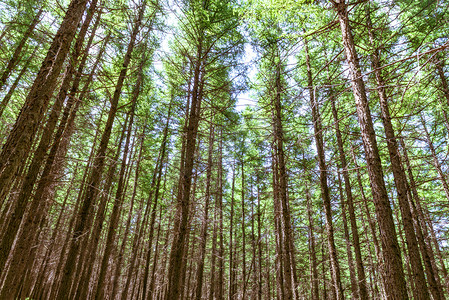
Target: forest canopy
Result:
[[210, 149]]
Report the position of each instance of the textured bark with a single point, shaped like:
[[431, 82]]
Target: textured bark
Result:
[[362, 289], [154, 197], [16, 82], [423, 234], [371, 224], [98, 166], [16, 148], [288, 258], [394, 274], [420, 291], [175, 290], [319, 143], [205, 222], [18, 51], [232, 270], [312, 249], [24, 251], [354, 289], [118, 201]]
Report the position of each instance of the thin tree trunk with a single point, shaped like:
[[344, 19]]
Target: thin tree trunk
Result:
[[319, 142], [204, 226], [16, 82], [18, 51], [312, 246], [362, 292], [436, 162], [118, 202]]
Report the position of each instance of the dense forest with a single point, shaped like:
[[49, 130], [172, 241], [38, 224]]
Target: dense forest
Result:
[[210, 149]]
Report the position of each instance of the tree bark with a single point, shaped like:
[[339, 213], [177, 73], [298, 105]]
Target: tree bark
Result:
[[363, 293], [16, 148], [18, 51], [98, 166], [394, 274], [318, 130]]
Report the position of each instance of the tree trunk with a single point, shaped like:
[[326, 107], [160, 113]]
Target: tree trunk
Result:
[[204, 227], [421, 291], [394, 274], [363, 293], [18, 51], [24, 251], [312, 246], [16, 148], [98, 166], [118, 201], [318, 130], [13, 87]]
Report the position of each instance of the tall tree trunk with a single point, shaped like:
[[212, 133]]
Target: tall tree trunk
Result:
[[312, 248], [24, 250], [354, 289], [423, 234], [319, 142], [18, 51], [363, 293], [205, 221], [13, 87], [175, 290], [421, 291], [394, 274], [98, 166], [232, 272], [289, 259], [436, 162], [118, 201], [16, 148]]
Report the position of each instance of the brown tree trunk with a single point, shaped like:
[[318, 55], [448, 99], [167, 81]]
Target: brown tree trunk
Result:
[[13, 87], [24, 251], [204, 226], [420, 291], [363, 293], [175, 290], [354, 288], [371, 224], [394, 274], [312, 248], [98, 166], [18, 51], [232, 271], [319, 142], [118, 201], [16, 148], [423, 234]]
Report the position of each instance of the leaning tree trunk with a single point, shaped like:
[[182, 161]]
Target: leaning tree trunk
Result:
[[98, 166], [16, 148], [24, 250], [18, 51], [319, 142], [394, 274], [420, 290], [363, 293]]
